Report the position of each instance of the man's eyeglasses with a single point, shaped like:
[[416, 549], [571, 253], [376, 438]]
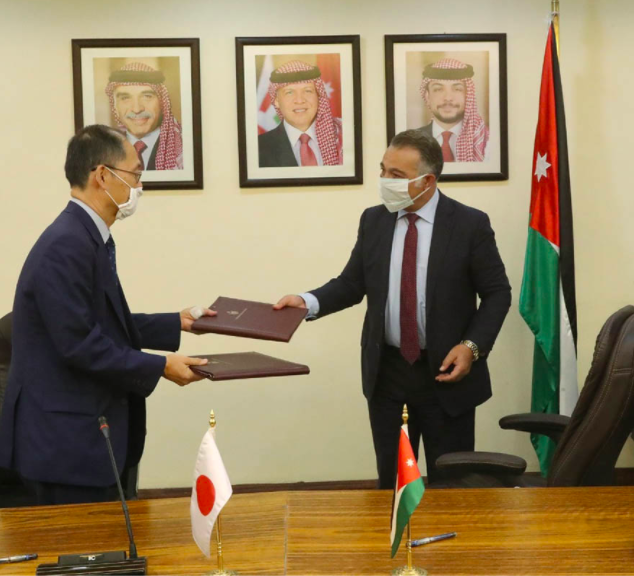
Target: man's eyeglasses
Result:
[[137, 175]]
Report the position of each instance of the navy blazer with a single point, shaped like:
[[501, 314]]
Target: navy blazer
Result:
[[76, 356], [464, 263]]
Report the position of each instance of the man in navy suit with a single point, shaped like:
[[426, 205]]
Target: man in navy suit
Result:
[[421, 260], [76, 347]]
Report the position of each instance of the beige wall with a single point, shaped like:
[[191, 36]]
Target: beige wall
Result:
[[189, 247]]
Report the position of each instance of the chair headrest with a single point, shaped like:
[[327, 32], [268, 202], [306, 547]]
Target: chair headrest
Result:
[[604, 414], [5, 338]]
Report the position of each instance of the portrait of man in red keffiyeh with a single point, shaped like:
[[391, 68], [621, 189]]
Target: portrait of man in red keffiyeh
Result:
[[449, 92], [140, 104], [308, 134]]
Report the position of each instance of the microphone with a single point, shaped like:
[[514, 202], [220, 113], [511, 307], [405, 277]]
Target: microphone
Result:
[[101, 562], [105, 430]]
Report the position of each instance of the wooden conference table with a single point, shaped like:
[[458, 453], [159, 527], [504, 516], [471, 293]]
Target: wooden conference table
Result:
[[500, 531]]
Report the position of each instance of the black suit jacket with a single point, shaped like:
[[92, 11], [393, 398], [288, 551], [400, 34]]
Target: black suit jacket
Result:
[[274, 149], [464, 263], [151, 165], [428, 130]]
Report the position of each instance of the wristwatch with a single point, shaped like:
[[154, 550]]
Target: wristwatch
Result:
[[473, 347]]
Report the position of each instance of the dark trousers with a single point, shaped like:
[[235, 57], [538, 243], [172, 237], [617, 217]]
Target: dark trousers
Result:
[[401, 383], [49, 493]]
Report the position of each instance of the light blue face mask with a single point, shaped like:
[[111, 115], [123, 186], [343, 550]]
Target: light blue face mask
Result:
[[394, 193]]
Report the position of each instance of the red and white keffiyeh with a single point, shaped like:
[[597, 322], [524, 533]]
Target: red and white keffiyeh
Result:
[[474, 136], [169, 155], [328, 128]]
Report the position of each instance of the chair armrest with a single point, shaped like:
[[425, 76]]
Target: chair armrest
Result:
[[458, 463], [551, 425]]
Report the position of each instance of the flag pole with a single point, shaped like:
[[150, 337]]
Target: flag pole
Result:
[[554, 8], [221, 567], [410, 569]]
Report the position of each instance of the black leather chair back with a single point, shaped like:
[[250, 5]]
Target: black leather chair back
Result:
[[604, 415]]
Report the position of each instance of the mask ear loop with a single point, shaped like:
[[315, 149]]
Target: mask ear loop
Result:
[[424, 191]]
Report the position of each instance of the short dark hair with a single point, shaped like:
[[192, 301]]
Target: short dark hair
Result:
[[91, 146], [426, 145]]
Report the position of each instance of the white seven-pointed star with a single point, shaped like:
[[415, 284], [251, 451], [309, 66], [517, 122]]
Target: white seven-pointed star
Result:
[[410, 462], [541, 166], [329, 89]]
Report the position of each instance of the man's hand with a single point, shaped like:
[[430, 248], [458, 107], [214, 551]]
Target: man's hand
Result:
[[177, 369], [462, 358], [290, 301], [187, 318]]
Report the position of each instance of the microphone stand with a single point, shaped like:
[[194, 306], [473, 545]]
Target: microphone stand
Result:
[[102, 562]]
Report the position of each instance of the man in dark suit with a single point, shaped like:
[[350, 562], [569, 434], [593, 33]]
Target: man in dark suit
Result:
[[308, 134], [449, 92], [76, 351], [421, 259], [140, 104]]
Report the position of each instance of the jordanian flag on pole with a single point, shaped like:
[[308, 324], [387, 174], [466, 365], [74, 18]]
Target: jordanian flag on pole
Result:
[[547, 299], [409, 489]]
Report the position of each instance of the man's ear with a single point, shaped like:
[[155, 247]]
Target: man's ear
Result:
[[429, 181], [100, 176]]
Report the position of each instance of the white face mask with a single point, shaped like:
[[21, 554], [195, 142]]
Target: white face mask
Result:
[[127, 208], [394, 193]]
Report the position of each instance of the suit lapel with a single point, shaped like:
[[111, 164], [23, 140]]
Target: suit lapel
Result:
[[103, 262], [151, 164], [385, 238], [441, 235], [111, 288], [284, 148]]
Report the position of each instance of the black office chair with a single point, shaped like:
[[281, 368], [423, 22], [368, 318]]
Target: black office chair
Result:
[[588, 442]]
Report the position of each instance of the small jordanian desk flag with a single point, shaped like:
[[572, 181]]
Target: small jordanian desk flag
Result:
[[547, 299], [211, 490], [409, 489]]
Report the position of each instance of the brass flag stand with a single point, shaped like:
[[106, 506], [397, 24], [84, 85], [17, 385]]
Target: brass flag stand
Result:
[[410, 569], [220, 571]]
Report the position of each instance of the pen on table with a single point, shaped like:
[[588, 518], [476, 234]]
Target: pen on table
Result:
[[20, 558], [433, 539]]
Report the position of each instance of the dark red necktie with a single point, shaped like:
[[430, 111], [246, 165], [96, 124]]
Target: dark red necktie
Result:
[[447, 154], [139, 146], [306, 154], [410, 348]]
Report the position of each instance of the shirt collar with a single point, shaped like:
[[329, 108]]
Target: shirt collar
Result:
[[104, 231], [427, 212], [437, 129], [149, 139], [294, 134]]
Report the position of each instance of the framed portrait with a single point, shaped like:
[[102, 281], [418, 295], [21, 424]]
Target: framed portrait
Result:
[[149, 89], [453, 87], [299, 111]]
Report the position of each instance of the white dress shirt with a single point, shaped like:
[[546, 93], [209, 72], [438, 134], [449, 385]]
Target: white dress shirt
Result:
[[425, 227], [437, 131], [293, 137], [98, 220], [149, 140]]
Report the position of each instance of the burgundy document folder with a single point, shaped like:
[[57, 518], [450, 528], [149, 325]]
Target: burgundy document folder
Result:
[[251, 320], [242, 365]]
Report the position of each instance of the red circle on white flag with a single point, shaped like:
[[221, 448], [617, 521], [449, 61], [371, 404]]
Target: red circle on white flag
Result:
[[205, 494]]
